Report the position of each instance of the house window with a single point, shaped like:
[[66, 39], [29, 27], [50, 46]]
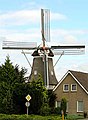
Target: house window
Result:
[[79, 106], [73, 87], [58, 104], [67, 107], [65, 87]]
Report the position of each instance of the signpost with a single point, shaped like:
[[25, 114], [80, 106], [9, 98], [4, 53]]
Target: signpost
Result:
[[28, 98]]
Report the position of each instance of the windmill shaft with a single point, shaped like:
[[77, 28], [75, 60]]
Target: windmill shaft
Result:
[[46, 75], [45, 70]]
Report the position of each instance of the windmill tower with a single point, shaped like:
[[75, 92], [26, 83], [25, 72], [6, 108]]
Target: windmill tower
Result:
[[43, 55], [42, 61]]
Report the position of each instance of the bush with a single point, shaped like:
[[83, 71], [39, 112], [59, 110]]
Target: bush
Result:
[[29, 117], [57, 111], [63, 105], [45, 109], [37, 117], [85, 114]]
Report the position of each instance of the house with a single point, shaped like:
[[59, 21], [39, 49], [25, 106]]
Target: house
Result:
[[74, 87]]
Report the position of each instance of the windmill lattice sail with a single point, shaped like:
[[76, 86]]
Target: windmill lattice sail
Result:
[[45, 25], [19, 45], [68, 50]]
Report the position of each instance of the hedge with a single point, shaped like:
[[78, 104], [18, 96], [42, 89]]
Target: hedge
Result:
[[36, 117]]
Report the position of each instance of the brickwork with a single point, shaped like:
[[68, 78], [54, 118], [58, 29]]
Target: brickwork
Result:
[[72, 96]]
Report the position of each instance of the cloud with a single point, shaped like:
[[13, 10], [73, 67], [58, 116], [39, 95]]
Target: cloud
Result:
[[28, 35], [65, 36], [58, 16], [70, 39], [24, 17]]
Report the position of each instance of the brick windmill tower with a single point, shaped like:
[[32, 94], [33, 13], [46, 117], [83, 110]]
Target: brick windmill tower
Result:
[[43, 55]]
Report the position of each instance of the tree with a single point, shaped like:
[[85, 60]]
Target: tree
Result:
[[14, 89], [39, 95], [51, 98], [9, 77], [19, 93]]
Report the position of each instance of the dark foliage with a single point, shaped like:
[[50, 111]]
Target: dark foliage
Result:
[[14, 89]]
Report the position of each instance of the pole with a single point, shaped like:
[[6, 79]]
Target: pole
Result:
[[27, 111], [62, 114]]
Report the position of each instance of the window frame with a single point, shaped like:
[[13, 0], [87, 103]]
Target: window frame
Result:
[[67, 106], [78, 106], [72, 89], [64, 87], [57, 104]]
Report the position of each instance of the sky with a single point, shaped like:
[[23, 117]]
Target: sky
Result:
[[20, 20]]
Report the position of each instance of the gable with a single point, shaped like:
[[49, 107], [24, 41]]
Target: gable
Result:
[[79, 77]]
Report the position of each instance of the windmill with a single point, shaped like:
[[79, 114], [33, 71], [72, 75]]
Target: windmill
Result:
[[42, 54]]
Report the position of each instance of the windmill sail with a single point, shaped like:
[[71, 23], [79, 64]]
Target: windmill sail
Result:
[[68, 50], [19, 45], [45, 25]]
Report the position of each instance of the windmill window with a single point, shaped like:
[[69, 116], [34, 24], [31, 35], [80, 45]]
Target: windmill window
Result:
[[51, 72], [66, 87], [35, 72]]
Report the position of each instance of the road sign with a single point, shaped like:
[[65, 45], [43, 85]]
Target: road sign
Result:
[[27, 104], [28, 97]]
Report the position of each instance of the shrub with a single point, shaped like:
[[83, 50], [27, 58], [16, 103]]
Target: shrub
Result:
[[63, 105], [85, 114], [45, 109], [57, 111]]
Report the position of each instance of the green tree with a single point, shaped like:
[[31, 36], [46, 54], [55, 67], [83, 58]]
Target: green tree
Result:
[[19, 93], [9, 77], [13, 91], [51, 98], [39, 95]]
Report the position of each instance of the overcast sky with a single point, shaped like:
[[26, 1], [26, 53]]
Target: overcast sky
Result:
[[20, 20]]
